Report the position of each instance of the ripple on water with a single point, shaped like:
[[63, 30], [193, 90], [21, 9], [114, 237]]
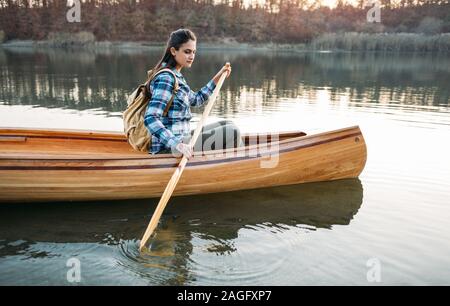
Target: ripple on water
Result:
[[258, 252], [160, 263]]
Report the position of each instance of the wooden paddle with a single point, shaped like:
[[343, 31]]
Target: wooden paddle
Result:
[[177, 174]]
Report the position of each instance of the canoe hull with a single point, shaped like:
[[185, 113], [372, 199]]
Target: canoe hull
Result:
[[327, 156]]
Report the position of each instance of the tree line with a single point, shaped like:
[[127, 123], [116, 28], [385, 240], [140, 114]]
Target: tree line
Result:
[[276, 21]]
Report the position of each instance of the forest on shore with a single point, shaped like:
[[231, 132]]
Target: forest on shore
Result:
[[271, 21]]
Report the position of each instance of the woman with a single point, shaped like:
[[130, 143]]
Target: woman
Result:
[[172, 133]]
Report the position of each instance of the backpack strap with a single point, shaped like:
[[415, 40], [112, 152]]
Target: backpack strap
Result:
[[176, 86]]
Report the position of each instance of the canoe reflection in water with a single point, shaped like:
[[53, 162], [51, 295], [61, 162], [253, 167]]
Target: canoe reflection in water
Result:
[[221, 215], [191, 225]]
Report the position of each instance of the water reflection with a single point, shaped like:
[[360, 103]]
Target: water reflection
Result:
[[192, 227], [101, 80]]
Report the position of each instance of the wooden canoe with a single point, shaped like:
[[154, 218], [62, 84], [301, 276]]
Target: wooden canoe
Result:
[[39, 165]]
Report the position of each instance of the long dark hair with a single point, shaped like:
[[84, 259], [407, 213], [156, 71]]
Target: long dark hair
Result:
[[176, 39]]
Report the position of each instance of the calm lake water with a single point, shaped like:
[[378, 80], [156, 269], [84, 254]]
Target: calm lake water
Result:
[[391, 225]]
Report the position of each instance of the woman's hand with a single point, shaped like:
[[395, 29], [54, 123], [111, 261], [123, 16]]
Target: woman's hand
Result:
[[225, 69], [185, 149]]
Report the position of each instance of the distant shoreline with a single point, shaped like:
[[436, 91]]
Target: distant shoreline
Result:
[[384, 42], [124, 45]]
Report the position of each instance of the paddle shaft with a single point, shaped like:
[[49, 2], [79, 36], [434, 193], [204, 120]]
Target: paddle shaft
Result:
[[177, 174]]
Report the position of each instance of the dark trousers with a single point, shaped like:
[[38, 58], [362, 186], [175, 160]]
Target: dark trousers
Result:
[[219, 135]]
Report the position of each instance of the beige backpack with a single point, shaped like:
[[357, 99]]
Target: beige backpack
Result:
[[133, 117]]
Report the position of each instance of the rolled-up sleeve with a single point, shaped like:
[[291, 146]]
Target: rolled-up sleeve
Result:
[[162, 90], [200, 97]]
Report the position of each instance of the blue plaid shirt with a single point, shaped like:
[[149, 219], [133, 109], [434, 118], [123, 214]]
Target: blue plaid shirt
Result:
[[168, 131]]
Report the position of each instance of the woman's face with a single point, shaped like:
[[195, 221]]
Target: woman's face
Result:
[[185, 55]]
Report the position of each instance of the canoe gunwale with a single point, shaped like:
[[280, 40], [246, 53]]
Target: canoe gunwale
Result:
[[201, 160], [136, 156]]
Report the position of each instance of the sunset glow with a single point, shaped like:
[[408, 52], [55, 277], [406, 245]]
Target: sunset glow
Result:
[[329, 3]]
